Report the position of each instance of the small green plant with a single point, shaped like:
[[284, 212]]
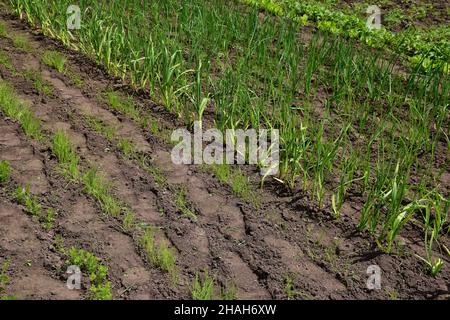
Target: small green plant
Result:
[[99, 126], [183, 205], [48, 218], [12, 107], [62, 148], [202, 289], [125, 105], [228, 292], [31, 203], [159, 255], [5, 171], [127, 147], [5, 60], [3, 30], [21, 43], [128, 221], [55, 60], [100, 289], [4, 278], [39, 83], [289, 287], [96, 186], [100, 292]]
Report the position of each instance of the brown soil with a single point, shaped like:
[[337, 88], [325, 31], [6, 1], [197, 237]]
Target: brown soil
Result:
[[253, 248]]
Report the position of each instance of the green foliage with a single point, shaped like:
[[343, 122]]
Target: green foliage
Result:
[[5, 60], [202, 289], [63, 150], [21, 43], [5, 171], [31, 203], [99, 126], [183, 205], [54, 59], [4, 278], [12, 107], [39, 83], [3, 30], [96, 186], [159, 254], [100, 289]]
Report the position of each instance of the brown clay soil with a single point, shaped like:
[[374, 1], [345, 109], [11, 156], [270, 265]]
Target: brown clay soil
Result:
[[254, 247]]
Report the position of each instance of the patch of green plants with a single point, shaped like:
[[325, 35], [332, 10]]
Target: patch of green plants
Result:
[[55, 60], [97, 186], [100, 288], [63, 150], [183, 204], [125, 105], [238, 182], [39, 83], [99, 126], [5, 60], [407, 43], [75, 78], [21, 42], [204, 287], [3, 30], [12, 107], [4, 278], [289, 287], [160, 255], [48, 218], [127, 147], [5, 171], [31, 203]]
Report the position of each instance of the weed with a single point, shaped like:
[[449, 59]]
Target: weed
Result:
[[202, 289], [122, 104], [63, 150], [159, 255], [100, 289], [6, 61], [31, 203], [21, 43], [12, 107], [228, 293], [55, 60], [48, 218], [96, 186], [4, 278], [59, 244], [289, 287], [99, 126], [75, 78], [3, 30], [39, 83], [5, 171], [128, 222], [183, 205], [127, 147]]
